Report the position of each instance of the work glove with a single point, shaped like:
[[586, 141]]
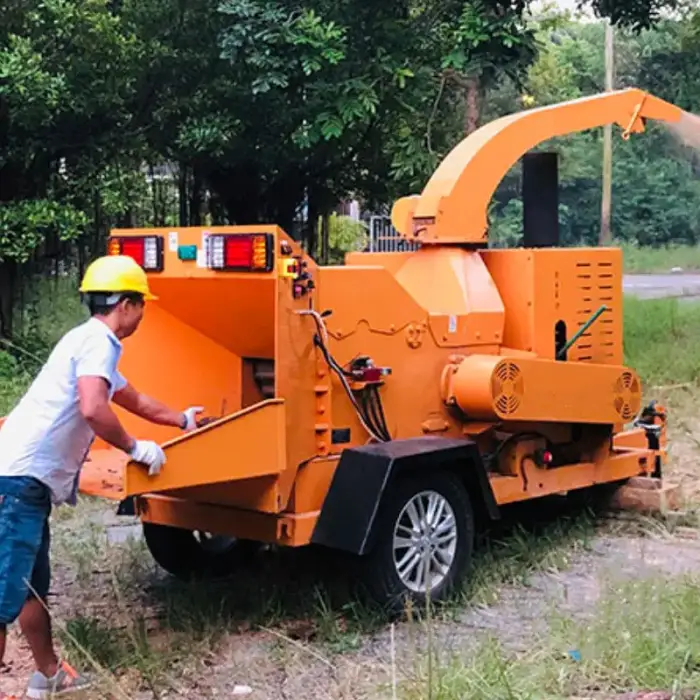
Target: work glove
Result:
[[190, 418], [148, 453]]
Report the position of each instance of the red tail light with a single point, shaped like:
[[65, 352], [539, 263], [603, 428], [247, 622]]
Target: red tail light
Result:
[[147, 251], [240, 252]]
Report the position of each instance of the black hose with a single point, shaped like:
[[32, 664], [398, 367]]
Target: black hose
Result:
[[375, 408], [373, 412], [369, 415], [382, 416]]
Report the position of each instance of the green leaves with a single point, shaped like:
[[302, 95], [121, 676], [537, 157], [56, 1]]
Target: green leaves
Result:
[[277, 42], [26, 224], [488, 42], [330, 125], [636, 15], [345, 235], [208, 134], [119, 187], [24, 78], [400, 76]]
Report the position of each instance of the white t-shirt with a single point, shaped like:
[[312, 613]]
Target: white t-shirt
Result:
[[46, 436]]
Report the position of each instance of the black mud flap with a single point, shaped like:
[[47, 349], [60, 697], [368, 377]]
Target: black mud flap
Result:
[[364, 473], [126, 507]]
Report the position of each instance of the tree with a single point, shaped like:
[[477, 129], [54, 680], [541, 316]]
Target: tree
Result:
[[655, 187], [66, 120], [307, 103], [269, 109]]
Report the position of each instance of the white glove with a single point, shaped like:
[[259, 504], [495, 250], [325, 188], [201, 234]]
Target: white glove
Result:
[[191, 417], [149, 453]]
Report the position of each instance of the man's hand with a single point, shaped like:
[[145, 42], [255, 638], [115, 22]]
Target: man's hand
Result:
[[189, 421], [149, 453]]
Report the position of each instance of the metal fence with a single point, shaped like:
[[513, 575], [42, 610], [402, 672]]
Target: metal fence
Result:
[[384, 238]]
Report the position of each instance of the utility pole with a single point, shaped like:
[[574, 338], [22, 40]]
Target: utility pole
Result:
[[605, 238]]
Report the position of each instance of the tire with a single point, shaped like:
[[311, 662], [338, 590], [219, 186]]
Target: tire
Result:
[[192, 555], [383, 566]]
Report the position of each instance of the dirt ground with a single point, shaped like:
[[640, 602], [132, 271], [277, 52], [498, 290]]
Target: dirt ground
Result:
[[278, 666], [522, 612], [283, 669]]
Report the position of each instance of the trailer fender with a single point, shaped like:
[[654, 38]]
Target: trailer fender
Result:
[[365, 473]]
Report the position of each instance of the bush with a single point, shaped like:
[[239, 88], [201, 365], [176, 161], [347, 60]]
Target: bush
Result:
[[8, 366], [345, 235]]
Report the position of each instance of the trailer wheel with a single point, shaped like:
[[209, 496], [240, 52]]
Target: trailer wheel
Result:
[[189, 555], [424, 541]]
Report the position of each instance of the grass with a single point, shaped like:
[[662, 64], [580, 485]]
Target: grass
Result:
[[643, 635], [638, 259], [144, 628], [532, 538], [661, 340]]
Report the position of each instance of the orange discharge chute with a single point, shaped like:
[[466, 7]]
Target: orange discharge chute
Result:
[[453, 205]]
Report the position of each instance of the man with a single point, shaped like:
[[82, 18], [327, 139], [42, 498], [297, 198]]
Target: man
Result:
[[43, 445]]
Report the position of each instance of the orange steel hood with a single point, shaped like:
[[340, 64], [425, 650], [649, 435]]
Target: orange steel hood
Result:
[[200, 344], [189, 347], [453, 205]]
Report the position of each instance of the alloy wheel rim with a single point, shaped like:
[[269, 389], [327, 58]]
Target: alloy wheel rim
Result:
[[425, 541]]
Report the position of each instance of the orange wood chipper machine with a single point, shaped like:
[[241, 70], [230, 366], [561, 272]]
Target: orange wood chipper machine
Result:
[[383, 406]]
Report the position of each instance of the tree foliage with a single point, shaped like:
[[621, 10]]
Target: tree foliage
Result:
[[656, 189], [125, 112]]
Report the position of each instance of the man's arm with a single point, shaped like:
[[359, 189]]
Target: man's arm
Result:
[[148, 408], [95, 369], [93, 393]]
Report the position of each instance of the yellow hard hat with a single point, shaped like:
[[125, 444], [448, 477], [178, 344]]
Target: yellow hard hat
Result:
[[116, 273]]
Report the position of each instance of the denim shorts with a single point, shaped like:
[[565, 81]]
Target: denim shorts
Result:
[[25, 506]]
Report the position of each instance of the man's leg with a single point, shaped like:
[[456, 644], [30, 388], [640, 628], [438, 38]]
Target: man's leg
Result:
[[20, 538], [36, 627], [34, 618], [53, 678], [3, 696]]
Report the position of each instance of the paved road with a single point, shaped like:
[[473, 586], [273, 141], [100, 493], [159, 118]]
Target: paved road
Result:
[[657, 286]]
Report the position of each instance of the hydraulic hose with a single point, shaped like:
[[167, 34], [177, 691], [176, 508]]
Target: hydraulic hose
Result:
[[322, 342]]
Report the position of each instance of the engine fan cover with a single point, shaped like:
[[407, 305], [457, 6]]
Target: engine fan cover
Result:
[[507, 387], [497, 388]]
